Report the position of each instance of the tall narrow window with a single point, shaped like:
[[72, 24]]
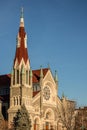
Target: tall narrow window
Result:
[[14, 77], [47, 126], [36, 87], [17, 76], [20, 99], [27, 77], [36, 124], [17, 100], [14, 101], [20, 78]]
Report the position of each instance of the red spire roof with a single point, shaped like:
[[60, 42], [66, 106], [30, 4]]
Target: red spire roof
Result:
[[36, 74], [21, 50]]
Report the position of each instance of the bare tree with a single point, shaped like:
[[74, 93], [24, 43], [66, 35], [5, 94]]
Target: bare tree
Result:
[[67, 114]]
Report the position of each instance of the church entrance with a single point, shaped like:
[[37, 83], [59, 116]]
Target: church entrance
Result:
[[48, 126], [36, 124]]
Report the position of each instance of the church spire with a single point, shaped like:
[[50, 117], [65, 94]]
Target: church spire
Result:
[[21, 50]]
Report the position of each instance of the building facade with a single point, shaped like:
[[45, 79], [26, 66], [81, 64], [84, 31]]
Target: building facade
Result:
[[81, 118], [36, 89]]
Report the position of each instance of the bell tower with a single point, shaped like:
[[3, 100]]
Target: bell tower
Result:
[[21, 78]]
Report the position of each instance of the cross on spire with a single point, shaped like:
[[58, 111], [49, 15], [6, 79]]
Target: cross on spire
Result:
[[22, 18], [22, 12]]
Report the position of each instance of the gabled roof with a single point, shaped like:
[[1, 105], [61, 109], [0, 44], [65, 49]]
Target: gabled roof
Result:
[[36, 74], [35, 93]]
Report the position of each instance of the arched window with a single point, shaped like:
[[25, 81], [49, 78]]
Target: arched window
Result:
[[27, 77], [17, 100], [49, 116], [14, 77], [20, 78], [17, 76], [14, 101], [47, 125], [36, 124]]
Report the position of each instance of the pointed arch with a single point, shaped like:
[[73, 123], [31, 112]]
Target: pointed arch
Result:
[[36, 123], [49, 114], [49, 119]]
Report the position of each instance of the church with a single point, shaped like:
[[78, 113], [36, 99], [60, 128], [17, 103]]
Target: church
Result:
[[36, 89]]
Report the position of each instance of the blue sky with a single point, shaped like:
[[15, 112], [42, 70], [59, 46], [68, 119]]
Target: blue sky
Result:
[[57, 35]]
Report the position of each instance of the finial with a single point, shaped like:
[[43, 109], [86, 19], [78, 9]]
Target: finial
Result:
[[30, 72], [40, 66], [22, 18], [63, 95], [22, 69], [48, 66], [12, 72], [41, 71], [56, 76], [22, 12]]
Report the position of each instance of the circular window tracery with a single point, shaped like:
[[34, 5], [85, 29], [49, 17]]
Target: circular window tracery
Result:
[[46, 93]]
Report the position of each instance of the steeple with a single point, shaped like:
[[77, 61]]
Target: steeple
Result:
[[21, 81], [21, 49]]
